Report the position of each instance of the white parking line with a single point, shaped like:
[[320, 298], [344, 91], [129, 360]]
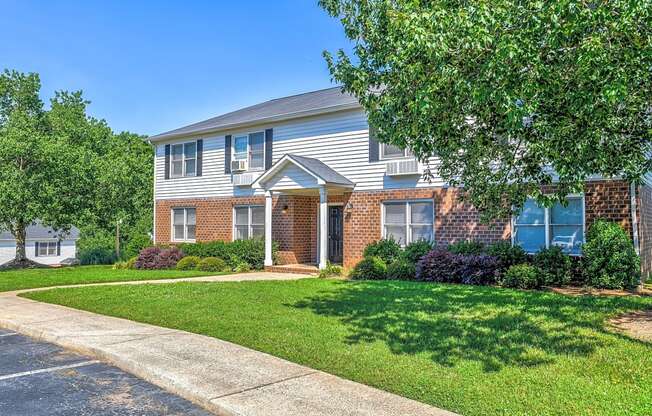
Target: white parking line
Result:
[[48, 370]]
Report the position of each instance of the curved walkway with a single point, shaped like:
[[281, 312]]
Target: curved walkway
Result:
[[225, 378]]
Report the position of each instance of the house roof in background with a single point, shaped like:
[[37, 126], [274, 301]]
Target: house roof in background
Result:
[[38, 231], [301, 105]]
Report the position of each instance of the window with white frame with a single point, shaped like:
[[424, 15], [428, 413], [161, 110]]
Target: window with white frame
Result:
[[250, 147], [47, 248], [183, 159], [249, 222], [389, 151], [408, 221], [537, 227], [184, 223]]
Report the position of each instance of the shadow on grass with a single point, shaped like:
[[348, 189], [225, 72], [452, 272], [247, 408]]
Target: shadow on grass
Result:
[[453, 323]]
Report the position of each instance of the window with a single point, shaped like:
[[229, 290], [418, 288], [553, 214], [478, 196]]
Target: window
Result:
[[389, 151], [47, 248], [184, 223], [537, 227], [250, 147], [184, 159], [249, 222], [408, 221]]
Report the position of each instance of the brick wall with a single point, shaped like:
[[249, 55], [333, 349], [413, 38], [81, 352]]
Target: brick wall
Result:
[[645, 227], [609, 200]]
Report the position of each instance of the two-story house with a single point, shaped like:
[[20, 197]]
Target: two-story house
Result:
[[304, 171]]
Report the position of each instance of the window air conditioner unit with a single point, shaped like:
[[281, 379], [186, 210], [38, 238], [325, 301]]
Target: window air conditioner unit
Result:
[[244, 179], [403, 167], [238, 165]]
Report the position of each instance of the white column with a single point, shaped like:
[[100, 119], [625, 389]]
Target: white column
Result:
[[268, 229], [323, 227]]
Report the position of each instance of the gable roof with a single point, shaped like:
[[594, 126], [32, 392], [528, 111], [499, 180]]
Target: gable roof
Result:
[[39, 231], [321, 171], [301, 105]]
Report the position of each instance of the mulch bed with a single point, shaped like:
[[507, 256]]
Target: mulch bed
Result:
[[635, 324]]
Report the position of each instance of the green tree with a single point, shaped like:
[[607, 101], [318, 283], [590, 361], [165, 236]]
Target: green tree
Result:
[[510, 95]]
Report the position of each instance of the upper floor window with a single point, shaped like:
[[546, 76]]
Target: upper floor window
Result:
[[408, 221], [47, 249], [389, 151], [184, 159], [184, 223], [250, 147], [249, 222], [537, 227]]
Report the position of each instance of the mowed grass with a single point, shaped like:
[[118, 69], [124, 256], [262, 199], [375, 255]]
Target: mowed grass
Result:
[[472, 350], [35, 278]]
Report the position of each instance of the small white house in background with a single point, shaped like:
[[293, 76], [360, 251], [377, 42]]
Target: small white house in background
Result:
[[43, 245]]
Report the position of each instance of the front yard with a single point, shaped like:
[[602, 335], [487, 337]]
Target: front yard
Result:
[[35, 278], [470, 349]]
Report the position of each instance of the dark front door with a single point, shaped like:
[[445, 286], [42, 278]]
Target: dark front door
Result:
[[335, 234]]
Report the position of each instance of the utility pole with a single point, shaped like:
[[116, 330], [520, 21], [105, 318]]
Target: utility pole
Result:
[[117, 238]]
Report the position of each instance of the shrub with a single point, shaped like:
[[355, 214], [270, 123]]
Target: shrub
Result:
[[251, 252], [96, 247], [136, 243], [609, 258], [554, 266], [242, 267], [370, 268], [212, 264], [131, 263], [506, 254], [414, 251], [156, 258], [478, 269], [439, 265], [521, 276], [386, 249], [119, 265], [96, 255], [188, 263], [466, 247], [401, 269], [331, 270]]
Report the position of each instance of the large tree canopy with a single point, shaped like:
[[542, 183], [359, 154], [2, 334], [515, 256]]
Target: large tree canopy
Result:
[[510, 95]]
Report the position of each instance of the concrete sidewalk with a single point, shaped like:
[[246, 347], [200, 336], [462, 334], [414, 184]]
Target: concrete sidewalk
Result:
[[224, 378]]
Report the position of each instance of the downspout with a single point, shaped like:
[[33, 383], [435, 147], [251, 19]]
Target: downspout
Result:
[[154, 196], [632, 195]]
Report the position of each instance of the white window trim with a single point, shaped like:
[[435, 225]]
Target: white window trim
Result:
[[408, 217], [185, 225], [381, 153], [48, 243], [547, 225], [184, 159], [248, 134], [250, 224]]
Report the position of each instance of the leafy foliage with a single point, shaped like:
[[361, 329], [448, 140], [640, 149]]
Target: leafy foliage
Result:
[[212, 264], [609, 257], [440, 265], [478, 269], [554, 266], [234, 253], [401, 269], [369, 268], [331, 270], [188, 263], [505, 92], [466, 247], [415, 250], [507, 254], [521, 276], [155, 258], [96, 249], [387, 249]]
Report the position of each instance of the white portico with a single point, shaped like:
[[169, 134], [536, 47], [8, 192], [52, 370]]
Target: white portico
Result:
[[298, 175]]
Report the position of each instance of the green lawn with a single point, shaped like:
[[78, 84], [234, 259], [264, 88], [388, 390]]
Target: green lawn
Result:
[[473, 350], [33, 278]]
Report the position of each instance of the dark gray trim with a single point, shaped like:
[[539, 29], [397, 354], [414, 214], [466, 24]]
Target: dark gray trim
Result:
[[269, 140], [58, 248], [200, 156], [36, 249], [227, 153], [374, 147], [167, 161]]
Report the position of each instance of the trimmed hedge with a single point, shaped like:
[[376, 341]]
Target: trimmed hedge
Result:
[[156, 258], [506, 254], [212, 264], [521, 276], [401, 269], [554, 266], [233, 253], [188, 263], [440, 265], [466, 247], [386, 249], [370, 268]]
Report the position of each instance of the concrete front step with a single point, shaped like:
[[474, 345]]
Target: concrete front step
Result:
[[293, 268]]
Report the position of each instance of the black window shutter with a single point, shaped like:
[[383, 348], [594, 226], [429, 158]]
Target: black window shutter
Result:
[[36, 249], [200, 156], [269, 140], [227, 153], [167, 161], [58, 248], [374, 147]]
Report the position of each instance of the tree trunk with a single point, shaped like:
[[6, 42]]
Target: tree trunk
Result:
[[20, 235]]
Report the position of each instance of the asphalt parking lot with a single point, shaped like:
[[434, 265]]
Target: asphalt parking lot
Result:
[[38, 378]]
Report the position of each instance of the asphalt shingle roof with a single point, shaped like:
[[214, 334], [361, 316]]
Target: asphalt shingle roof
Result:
[[280, 108], [321, 170], [38, 231]]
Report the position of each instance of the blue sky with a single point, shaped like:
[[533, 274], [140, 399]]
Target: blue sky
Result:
[[151, 66]]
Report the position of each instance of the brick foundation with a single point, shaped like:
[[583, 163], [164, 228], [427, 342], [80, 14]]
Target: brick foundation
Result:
[[294, 225]]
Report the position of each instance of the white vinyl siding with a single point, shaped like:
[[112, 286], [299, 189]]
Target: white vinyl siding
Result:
[[8, 252], [248, 222], [408, 221], [184, 224]]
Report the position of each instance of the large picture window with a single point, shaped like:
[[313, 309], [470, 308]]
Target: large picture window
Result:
[[249, 222], [250, 147], [184, 223], [184, 159], [537, 227], [408, 221]]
